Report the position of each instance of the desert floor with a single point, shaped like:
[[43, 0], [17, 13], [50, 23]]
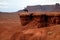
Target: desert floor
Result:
[[11, 29]]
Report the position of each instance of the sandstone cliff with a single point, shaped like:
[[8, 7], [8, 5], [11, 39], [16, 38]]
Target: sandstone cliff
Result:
[[40, 19]]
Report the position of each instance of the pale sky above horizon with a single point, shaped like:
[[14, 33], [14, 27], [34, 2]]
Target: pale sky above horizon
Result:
[[15, 5]]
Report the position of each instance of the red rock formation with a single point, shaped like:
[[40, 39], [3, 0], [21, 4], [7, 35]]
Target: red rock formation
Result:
[[43, 19]]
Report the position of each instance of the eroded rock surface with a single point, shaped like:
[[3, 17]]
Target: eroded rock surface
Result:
[[43, 20]]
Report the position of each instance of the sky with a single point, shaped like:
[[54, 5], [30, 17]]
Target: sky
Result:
[[15, 5]]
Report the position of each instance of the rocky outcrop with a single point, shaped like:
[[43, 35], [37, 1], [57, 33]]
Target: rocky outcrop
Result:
[[43, 20]]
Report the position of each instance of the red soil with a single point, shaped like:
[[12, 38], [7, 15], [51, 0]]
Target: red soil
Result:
[[12, 30]]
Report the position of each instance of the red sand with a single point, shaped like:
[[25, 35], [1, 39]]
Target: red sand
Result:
[[14, 31]]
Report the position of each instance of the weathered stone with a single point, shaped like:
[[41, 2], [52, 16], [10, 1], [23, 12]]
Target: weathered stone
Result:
[[43, 20]]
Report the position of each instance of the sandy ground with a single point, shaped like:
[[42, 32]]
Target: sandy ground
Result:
[[11, 29]]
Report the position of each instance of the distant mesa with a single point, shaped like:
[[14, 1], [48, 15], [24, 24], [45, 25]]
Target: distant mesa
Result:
[[42, 8], [24, 10]]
